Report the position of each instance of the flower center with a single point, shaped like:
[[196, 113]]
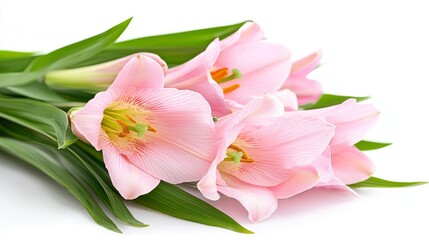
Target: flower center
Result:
[[237, 154], [222, 75], [120, 122]]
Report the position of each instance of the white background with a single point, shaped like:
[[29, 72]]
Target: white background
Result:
[[376, 48]]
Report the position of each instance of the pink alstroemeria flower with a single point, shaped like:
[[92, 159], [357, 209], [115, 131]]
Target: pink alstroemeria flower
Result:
[[148, 133], [306, 90], [352, 121], [231, 72], [264, 156]]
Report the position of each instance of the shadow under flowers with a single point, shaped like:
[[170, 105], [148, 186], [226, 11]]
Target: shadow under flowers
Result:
[[309, 201]]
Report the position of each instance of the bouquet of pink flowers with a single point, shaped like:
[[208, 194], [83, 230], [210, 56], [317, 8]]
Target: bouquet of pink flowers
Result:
[[220, 108]]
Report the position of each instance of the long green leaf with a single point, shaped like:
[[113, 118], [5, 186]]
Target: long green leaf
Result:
[[41, 159], [40, 117], [38, 91], [84, 166], [173, 201], [59, 59], [368, 145], [77, 52], [8, 55], [328, 100], [101, 187], [12, 61], [175, 48], [18, 78], [189, 44], [374, 182]]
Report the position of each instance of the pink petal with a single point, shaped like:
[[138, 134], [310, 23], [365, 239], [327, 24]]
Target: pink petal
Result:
[[195, 75], [140, 72], [213, 93], [183, 145], [351, 165], [227, 130], [278, 146], [298, 181], [259, 202], [352, 123], [263, 66], [305, 65], [250, 31], [194, 70], [336, 183], [352, 120], [86, 122], [128, 179], [288, 99], [307, 91], [323, 166]]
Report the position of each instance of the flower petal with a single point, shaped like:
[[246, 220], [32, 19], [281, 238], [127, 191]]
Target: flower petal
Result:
[[86, 122], [143, 71], [305, 65], [128, 179], [336, 183], [298, 181], [278, 146], [227, 130], [194, 70], [259, 202], [195, 75], [250, 31], [307, 91], [183, 145], [288, 99], [352, 120], [323, 166], [351, 165], [263, 66]]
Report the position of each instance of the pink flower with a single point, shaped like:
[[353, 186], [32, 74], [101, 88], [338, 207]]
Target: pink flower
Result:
[[352, 121], [148, 133], [306, 90], [231, 72], [264, 156]]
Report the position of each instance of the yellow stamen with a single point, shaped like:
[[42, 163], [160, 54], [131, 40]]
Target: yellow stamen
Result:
[[219, 74], [244, 157], [124, 127], [230, 88]]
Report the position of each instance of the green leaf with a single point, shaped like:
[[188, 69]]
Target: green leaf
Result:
[[45, 162], [77, 52], [15, 65], [102, 187], [328, 100], [12, 61], [40, 117], [85, 167], [173, 201], [18, 78], [175, 48], [374, 182], [368, 145], [37, 90], [8, 55], [189, 44]]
